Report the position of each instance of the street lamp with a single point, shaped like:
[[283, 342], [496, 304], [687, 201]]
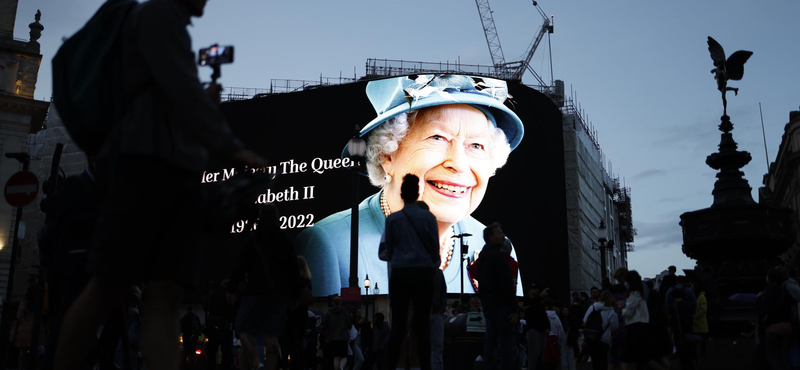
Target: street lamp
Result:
[[366, 284], [464, 252], [355, 150], [602, 237], [376, 290]]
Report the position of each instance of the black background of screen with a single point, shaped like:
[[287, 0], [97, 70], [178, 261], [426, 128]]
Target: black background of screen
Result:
[[527, 196]]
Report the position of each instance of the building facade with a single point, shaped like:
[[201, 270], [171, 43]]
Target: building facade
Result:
[[782, 182], [592, 196], [20, 117]]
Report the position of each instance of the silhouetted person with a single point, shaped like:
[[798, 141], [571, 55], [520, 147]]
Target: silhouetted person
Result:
[[410, 245], [220, 314], [376, 352], [336, 326], [538, 328], [298, 320], [497, 290], [190, 330], [269, 263], [668, 281], [682, 325], [170, 127]]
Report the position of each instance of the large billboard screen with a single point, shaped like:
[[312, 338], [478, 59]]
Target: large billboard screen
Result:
[[411, 125]]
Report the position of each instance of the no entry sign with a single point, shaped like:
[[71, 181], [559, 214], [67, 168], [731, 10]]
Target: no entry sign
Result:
[[21, 189]]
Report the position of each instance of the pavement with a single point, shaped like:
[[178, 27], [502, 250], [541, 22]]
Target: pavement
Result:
[[721, 354]]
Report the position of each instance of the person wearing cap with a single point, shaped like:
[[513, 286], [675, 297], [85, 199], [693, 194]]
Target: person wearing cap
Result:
[[454, 133]]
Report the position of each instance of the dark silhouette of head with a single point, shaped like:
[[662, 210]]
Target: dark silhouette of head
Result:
[[195, 7], [490, 231], [634, 281], [672, 270], [409, 190], [607, 299], [379, 318]]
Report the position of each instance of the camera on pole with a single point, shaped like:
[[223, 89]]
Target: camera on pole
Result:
[[215, 56]]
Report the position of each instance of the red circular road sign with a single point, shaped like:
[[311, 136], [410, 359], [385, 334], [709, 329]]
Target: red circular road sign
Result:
[[21, 189]]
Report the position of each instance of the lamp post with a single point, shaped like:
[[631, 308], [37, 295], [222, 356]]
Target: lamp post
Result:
[[366, 290], [355, 150], [602, 236], [464, 252]]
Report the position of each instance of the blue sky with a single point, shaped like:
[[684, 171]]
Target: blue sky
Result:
[[640, 70]]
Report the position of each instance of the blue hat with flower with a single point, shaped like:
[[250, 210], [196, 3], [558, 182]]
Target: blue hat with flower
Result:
[[393, 96]]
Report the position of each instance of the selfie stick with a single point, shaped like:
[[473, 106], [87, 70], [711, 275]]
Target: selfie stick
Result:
[[217, 73]]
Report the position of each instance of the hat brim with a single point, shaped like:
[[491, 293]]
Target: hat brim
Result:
[[505, 118]]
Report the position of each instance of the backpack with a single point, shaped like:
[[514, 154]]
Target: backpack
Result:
[[594, 329], [87, 76]]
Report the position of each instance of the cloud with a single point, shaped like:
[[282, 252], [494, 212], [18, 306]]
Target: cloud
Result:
[[671, 199], [658, 235], [649, 173]]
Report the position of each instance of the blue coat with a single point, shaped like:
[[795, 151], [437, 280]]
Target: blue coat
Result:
[[326, 247]]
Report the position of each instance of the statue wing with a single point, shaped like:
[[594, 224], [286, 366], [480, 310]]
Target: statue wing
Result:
[[717, 52], [735, 64]]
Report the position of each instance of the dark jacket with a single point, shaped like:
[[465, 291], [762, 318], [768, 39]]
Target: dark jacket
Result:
[[217, 307], [380, 336], [536, 317], [667, 282], [69, 225], [336, 324], [411, 239], [496, 286]]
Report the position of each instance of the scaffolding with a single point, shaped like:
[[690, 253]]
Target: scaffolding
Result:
[[622, 200], [281, 86]]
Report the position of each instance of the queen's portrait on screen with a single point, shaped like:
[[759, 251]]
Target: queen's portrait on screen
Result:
[[453, 132]]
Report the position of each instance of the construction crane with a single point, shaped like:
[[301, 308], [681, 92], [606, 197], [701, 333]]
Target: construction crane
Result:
[[511, 70]]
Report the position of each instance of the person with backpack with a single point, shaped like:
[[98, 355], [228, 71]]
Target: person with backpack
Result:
[[156, 122], [599, 321]]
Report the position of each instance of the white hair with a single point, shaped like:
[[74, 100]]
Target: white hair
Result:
[[384, 140]]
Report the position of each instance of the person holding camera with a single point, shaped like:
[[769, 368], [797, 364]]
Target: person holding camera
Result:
[[147, 183]]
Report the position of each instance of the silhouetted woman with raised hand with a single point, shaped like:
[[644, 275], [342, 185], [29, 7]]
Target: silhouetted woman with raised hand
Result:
[[410, 244]]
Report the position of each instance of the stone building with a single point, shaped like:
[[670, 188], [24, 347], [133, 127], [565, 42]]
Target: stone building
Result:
[[782, 182], [592, 196], [20, 117]]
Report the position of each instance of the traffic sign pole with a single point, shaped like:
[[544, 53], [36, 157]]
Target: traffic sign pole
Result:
[[5, 320]]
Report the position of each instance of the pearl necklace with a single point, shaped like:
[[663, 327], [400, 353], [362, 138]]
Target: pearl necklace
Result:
[[445, 257]]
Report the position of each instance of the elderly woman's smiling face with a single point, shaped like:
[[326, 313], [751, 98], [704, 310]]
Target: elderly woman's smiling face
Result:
[[447, 148]]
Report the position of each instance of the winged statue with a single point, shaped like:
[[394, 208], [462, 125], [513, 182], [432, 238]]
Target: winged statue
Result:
[[731, 68]]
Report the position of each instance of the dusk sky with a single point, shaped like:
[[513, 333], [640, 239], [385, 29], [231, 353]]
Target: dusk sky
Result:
[[640, 70]]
